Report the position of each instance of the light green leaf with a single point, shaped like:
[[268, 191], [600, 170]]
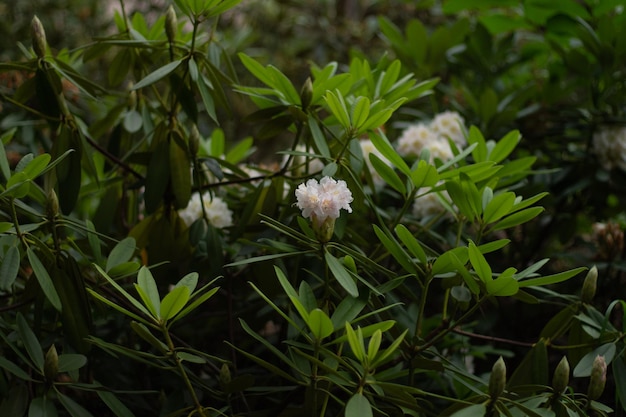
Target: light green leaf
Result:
[[517, 218], [149, 292], [355, 340], [480, 264], [551, 279], [359, 406], [360, 111], [174, 301], [195, 303], [338, 108], [411, 243], [387, 174], [320, 324]]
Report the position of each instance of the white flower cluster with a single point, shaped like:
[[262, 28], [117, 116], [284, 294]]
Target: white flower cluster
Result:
[[367, 147], [218, 213], [323, 200], [609, 144], [429, 205], [433, 136]]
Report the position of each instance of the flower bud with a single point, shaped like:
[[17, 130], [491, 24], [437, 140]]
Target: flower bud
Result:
[[324, 230], [306, 93], [497, 380], [560, 379], [51, 364], [38, 35], [589, 285], [170, 24], [194, 141], [598, 378], [225, 377], [52, 204], [132, 99]]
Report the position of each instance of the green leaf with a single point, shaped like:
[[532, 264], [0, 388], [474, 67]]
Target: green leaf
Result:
[[45, 282], [480, 264], [411, 243], [341, 274], [195, 304], [498, 207], [358, 406], [36, 166], [42, 407], [505, 146], [471, 411], [31, 344], [4, 162], [75, 409], [190, 281], [121, 253], [157, 74], [387, 174], [360, 111], [533, 369], [320, 324], [515, 219], [338, 108], [424, 175], [584, 366], [126, 295], [503, 286], [71, 362], [355, 340], [551, 279], [180, 171], [174, 301], [9, 268], [114, 404], [148, 291], [14, 369]]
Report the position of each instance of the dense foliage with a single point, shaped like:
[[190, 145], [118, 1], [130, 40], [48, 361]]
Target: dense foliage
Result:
[[372, 208]]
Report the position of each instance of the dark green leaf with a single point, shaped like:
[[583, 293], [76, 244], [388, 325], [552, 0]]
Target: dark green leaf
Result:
[[9, 268], [31, 344], [157, 74], [358, 406], [45, 282]]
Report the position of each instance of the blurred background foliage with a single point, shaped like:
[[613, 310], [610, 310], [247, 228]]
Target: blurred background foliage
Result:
[[555, 70]]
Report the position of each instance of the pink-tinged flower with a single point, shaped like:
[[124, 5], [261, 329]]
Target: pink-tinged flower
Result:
[[322, 202]]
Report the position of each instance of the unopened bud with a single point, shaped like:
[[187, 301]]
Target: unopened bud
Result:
[[497, 380], [52, 204], [598, 378], [132, 99], [170, 23], [560, 379], [38, 35], [589, 285], [51, 364], [225, 377], [324, 230], [194, 141], [306, 93]]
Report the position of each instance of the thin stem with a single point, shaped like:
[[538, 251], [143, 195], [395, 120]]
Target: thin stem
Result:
[[422, 307], [181, 369]]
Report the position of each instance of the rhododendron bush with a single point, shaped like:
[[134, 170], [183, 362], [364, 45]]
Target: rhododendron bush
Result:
[[423, 219]]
